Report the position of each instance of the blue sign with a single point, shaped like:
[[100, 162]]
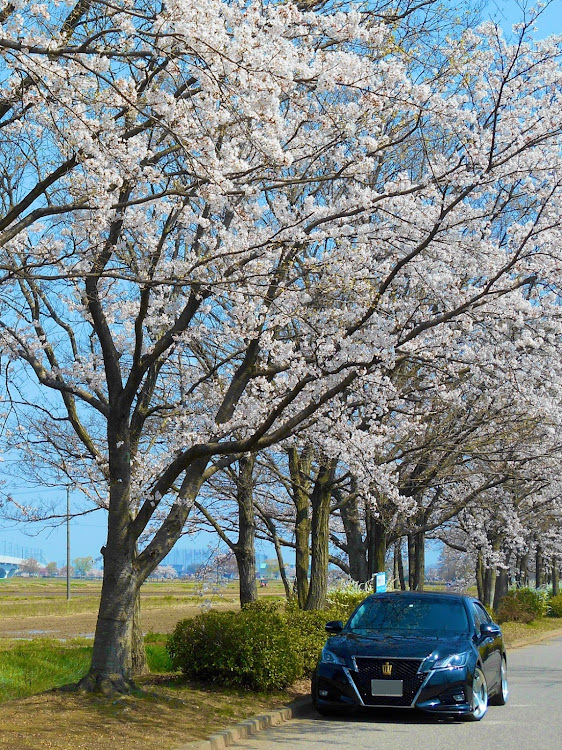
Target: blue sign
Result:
[[380, 582]]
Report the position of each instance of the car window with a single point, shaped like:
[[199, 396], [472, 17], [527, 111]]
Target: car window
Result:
[[484, 616], [477, 616], [403, 614]]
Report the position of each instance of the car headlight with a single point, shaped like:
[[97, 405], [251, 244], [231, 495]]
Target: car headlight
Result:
[[328, 657], [452, 662]]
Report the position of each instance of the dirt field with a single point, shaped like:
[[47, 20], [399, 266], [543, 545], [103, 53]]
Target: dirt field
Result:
[[155, 620], [32, 608]]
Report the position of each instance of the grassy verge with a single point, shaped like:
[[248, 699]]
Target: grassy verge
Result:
[[514, 632], [31, 667]]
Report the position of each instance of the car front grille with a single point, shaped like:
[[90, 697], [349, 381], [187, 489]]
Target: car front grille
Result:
[[370, 668]]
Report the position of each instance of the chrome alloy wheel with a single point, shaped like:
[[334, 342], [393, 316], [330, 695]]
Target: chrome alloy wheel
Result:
[[479, 704], [505, 686], [500, 698]]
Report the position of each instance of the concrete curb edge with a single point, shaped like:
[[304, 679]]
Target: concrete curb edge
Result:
[[248, 727]]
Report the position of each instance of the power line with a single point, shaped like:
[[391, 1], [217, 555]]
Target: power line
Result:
[[9, 549]]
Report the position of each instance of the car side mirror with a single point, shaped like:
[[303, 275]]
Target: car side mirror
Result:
[[490, 630], [334, 626]]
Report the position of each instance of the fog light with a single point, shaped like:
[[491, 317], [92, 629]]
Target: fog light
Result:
[[323, 693], [458, 697]]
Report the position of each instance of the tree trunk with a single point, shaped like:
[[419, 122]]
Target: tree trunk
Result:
[[299, 467], [400, 561], [489, 586], [320, 500], [419, 560], [555, 577], [111, 669], [282, 569], [538, 566], [370, 542], [502, 586], [518, 570], [523, 571], [140, 664], [112, 658], [411, 562], [480, 575], [356, 551], [416, 560], [245, 549], [377, 545], [279, 555]]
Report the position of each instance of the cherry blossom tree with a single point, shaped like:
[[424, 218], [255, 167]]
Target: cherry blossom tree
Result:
[[222, 223]]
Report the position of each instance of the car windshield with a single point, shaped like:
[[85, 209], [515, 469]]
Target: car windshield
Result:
[[404, 614]]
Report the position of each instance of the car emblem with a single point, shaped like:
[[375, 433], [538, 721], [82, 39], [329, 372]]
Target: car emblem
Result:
[[387, 669]]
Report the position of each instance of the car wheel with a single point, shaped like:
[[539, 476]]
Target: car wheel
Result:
[[479, 703], [500, 698]]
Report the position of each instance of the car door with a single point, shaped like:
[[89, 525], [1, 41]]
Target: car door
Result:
[[488, 646]]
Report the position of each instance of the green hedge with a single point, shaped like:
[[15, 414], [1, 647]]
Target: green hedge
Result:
[[265, 646], [523, 605], [253, 649], [555, 606]]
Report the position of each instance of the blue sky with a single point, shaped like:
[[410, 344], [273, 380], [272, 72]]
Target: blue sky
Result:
[[508, 12], [88, 535]]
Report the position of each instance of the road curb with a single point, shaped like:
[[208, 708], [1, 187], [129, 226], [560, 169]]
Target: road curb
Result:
[[242, 730]]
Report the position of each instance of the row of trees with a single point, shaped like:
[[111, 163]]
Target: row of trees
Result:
[[82, 567], [305, 257]]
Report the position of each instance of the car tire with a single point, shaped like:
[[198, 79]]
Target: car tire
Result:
[[323, 711], [479, 701], [500, 698]]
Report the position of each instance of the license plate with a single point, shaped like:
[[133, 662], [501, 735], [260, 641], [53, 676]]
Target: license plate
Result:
[[393, 688]]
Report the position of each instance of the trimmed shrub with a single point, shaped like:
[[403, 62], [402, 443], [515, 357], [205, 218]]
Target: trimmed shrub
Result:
[[251, 648], [308, 634], [265, 646], [522, 605], [555, 606]]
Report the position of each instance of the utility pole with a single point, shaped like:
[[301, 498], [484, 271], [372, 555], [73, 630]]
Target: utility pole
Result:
[[68, 542]]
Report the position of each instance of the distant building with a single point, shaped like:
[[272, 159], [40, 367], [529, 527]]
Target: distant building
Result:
[[187, 561]]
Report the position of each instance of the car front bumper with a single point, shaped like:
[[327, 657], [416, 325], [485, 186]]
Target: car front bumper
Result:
[[440, 691]]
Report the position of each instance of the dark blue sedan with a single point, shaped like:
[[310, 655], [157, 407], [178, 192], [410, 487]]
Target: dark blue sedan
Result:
[[441, 653]]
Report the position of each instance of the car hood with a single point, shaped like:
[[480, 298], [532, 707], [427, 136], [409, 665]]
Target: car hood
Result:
[[386, 645]]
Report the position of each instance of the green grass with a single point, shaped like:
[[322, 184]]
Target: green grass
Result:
[[31, 667]]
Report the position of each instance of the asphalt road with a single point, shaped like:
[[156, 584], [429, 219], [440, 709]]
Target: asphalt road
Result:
[[532, 719]]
